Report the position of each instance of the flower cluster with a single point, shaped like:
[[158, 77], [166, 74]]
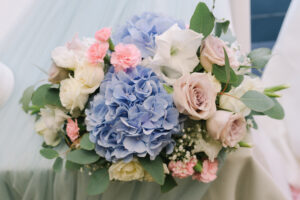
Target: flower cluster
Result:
[[159, 98], [132, 116]]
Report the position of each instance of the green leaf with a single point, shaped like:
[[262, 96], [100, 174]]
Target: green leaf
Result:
[[82, 156], [45, 95], [239, 80], [154, 168], [57, 166], [227, 67], [276, 112], [111, 45], [245, 144], [99, 182], [221, 26], [276, 88], [250, 117], [26, 98], [49, 153], [85, 143], [272, 95], [72, 166], [202, 20], [169, 184], [198, 68], [168, 89], [260, 57], [220, 74], [257, 101]]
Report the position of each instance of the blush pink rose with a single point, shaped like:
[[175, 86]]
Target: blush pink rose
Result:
[[125, 56], [212, 52], [103, 34], [195, 95], [97, 52], [208, 173], [227, 127], [182, 169], [72, 129]]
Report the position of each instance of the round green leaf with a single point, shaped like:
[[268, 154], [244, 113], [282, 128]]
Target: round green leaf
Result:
[[257, 101], [26, 98], [72, 166], [85, 143], [49, 153], [169, 184], [57, 166], [202, 21], [99, 182], [82, 156], [276, 112], [260, 57], [154, 168]]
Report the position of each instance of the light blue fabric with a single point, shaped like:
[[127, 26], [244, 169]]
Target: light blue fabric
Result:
[[24, 174]]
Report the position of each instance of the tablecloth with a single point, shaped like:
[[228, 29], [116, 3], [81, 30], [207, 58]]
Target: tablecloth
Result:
[[24, 174]]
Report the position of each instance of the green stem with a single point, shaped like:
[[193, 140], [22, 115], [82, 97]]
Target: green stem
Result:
[[198, 167]]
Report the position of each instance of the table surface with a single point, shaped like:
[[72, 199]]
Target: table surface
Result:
[[26, 48]]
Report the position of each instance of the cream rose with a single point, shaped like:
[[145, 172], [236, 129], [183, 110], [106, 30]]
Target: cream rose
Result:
[[212, 52], [227, 127], [235, 105], [57, 74], [195, 95], [126, 171], [73, 94], [89, 75], [50, 123]]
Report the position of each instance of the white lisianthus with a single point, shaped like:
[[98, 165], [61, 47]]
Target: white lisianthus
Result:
[[176, 53], [90, 75], [126, 171], [50, 123], [73, 94], [72, 53], [211, 148], [235, 105]]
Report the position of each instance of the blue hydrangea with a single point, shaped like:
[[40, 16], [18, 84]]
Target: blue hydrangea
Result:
[[141, 31], [132, 115]]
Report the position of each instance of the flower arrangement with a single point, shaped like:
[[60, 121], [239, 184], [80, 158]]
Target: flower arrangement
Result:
[[156, 101]]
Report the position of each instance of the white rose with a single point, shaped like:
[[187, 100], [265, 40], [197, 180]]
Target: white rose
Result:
[[72, 53], [50, 123], [235, 105], [73, 94], [126, 171], [211, 147], [89, 75]]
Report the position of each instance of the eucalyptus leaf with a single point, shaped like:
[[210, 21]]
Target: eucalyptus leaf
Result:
[[57, 166], [49, 153], [85, 143], [203, 20], [260, 57], [46, 95], [257, 101], [221, 27], [72, 166], [239, 80], [276, 112], [26, 98], [83, 157], [169, 184], [220, 74], [99, 182], [154, 168]]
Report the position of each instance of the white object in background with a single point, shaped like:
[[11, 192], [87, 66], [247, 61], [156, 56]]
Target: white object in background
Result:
[[6, 83]]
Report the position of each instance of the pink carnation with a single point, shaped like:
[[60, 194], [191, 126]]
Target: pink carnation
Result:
[[125, 56], [72, 129], [208, 173], [181, 169], [103, 34], [97, 52]]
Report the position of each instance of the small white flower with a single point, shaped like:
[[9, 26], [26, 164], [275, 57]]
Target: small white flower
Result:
[[210, 148], [175, 53], [50, 123]]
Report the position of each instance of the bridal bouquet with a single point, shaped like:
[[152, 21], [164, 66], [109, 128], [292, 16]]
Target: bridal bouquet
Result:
[[154, 101]]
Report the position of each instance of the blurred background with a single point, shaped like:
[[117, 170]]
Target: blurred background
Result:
[[266, 20]]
